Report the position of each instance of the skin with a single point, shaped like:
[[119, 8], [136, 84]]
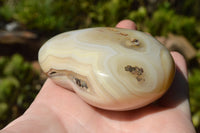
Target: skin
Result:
[[58, 110]]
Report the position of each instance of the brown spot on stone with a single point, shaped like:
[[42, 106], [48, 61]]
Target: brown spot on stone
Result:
[[135, 42], [51, 73], [80, 83], [138, 72], [112, 29], [77, 79], [139, 78], [132, 43], [123, 34], [135, 70]]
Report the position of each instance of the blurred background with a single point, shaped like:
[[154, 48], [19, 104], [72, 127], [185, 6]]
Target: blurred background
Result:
[[26, 24]]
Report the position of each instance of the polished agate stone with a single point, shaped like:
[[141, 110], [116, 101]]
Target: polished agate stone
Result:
[[109, 68]]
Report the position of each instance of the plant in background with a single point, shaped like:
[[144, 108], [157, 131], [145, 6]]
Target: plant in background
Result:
[[139, 16], [194, 85], [62, 15], [19, 84], [165, 20]]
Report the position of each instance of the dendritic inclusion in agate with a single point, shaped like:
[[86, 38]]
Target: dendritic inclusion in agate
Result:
[[109, 68]]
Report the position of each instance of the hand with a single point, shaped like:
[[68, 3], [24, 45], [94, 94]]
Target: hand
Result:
[[57, 110]]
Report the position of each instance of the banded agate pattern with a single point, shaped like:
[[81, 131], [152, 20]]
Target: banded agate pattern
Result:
[[109, 68]]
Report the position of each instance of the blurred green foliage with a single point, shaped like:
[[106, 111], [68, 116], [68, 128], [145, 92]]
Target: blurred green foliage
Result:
[[194, 84], [62, 15], [17, 78], [165, 20], [18, 87]]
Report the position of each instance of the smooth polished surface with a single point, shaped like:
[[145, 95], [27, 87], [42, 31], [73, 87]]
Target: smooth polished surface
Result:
[[110, 68]]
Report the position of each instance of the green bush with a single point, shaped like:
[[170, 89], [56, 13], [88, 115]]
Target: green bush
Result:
[[19, 84], [41, 15], [194, 84], [61, 15], [165, 20]]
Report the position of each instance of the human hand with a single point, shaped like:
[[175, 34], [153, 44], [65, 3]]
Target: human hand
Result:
[[58, 110]]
